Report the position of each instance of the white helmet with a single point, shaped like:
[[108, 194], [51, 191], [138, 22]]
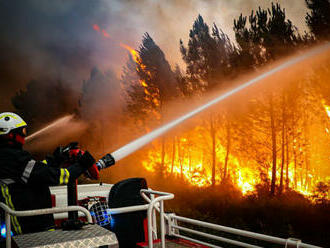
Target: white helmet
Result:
[[10, 121]]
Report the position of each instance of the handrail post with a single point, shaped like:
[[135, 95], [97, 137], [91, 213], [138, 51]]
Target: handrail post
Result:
[[162, 196], [154, 222], [162, 224], [8, 230], [170, 223], [150, 238]]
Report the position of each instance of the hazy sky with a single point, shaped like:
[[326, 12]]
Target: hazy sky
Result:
[[55, 38]]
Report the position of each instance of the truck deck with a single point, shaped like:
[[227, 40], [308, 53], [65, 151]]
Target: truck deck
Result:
[[164, 230]]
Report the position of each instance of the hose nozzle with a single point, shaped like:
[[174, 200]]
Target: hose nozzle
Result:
[[105, 162]]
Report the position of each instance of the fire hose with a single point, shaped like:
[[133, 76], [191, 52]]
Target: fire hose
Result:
[[71, 154]]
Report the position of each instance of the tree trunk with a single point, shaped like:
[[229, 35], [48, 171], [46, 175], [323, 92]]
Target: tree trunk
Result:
[[307, 156], [212, 133], [162, 169], [283, 144], [173, 155], [294, 150], [189, 156], [227, 152], [274, 152], [180, 157], [282, 162], [287, 179], [295, 169]]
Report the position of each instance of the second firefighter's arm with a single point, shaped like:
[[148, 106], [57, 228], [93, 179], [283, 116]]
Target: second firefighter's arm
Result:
[[37, 172]]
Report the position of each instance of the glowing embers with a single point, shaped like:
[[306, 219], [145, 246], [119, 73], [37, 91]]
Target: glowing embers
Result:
[[102, 31]]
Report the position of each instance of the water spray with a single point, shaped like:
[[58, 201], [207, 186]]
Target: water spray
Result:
[[60, 121], [144, 140]]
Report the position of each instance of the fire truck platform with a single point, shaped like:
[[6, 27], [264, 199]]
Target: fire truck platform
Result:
[[88, 236]]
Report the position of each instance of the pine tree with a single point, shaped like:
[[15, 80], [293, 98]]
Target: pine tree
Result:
[[156, 85], [155, 71], [206, 56], [318, 20], [268, 36]]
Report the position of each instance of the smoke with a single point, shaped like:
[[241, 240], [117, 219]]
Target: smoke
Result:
[[56, 39], [48, 40], [168, 21]]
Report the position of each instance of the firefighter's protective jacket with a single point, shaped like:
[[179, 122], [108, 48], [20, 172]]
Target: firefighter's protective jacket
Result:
[[25, 186]]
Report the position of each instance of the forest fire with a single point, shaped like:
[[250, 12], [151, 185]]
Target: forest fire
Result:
[[194, 169], [202, 167]]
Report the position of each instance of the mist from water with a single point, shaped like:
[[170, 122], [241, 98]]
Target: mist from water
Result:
[[56, 133], [54, 125]]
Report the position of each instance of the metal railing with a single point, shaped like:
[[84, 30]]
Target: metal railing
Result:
[[173, 226], [153, 202], [9, 212]]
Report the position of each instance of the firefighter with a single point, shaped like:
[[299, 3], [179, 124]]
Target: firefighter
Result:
[[24, 181]]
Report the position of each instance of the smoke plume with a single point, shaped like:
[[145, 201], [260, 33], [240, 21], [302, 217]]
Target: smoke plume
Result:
[[56, 39]]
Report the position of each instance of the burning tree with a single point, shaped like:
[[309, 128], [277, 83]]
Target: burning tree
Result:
[[156, 86], [208, 58]]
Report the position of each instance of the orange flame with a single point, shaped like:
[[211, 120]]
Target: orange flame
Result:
[[132, 51], [105, 34], [143, 83], [191, 166], [96, 27]]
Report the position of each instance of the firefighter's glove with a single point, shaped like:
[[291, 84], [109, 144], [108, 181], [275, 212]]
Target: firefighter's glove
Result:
[[59, 155], [105, 162], [86, 160]]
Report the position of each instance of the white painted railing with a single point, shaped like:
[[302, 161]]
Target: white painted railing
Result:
[[153, 202], [9, 212], [173, 227]]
